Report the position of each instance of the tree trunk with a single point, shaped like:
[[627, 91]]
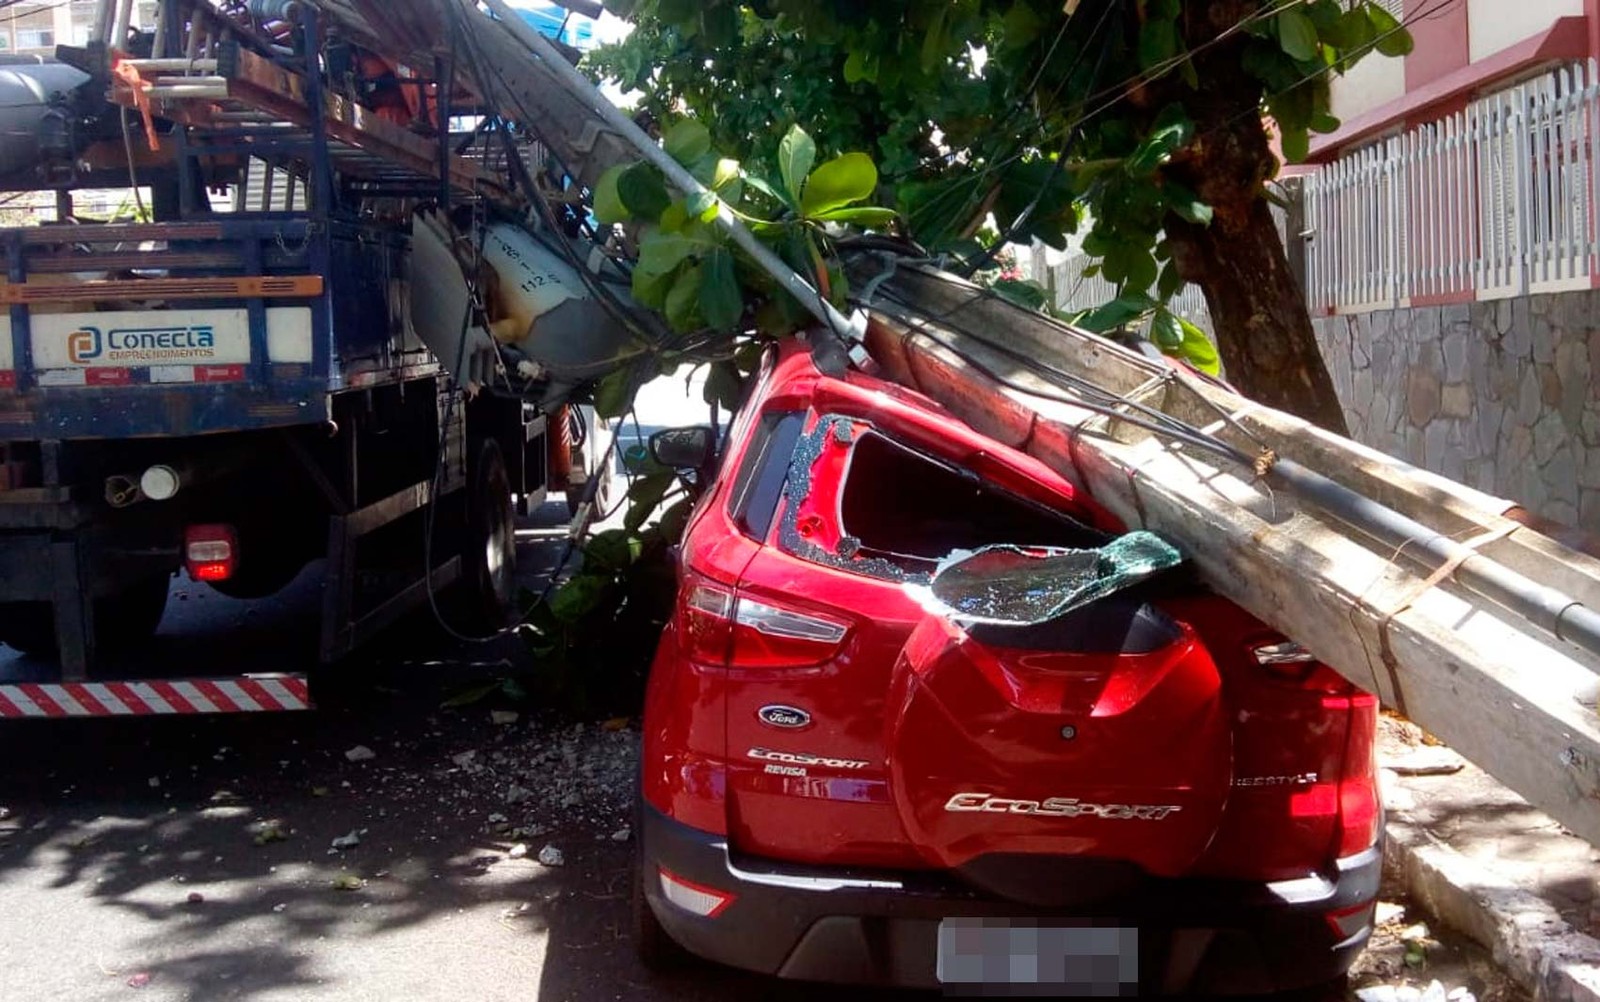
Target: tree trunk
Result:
[[1264, 335]]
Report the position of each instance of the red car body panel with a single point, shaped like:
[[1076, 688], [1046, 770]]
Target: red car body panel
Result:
[[916, 744]]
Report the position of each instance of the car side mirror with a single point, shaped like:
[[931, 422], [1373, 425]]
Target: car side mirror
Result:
[[689, 448]]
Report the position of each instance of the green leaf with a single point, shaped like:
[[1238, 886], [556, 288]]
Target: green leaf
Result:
[[796, 153], [577, 595], [1323, 122], [1172, 129], [683, 301], [1393, 40], [727, 172], [1297, 35], [608, 207], [1182, 200], [643, 191], [724, 385], [1020, 26], [839, 182], [687, 141], [1165, 331], [1170, 282], [1117, 313], [721, 299], [1296, 144], [860, 65], [1158, 42], [933, 42], [1198, 350], [702, 205], [661, 252], [612, 550], [614, 393], [644, 496], [720, 24], [675, 218], [673, 520], [865, 216], [1029, 295]]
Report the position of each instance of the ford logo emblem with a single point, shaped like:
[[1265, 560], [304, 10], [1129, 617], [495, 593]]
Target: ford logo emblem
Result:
[[784, 716]]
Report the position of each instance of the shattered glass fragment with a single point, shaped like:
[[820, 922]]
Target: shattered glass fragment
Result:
[[1024, 586]]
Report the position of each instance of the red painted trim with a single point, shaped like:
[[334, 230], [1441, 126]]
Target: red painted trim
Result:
[[8, 379], [1441, 35], [1567, 38], [1445, 298], [1591, 13]]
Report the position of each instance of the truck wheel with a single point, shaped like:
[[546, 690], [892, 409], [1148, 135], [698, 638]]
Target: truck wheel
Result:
[[489, 551], [593, 455]]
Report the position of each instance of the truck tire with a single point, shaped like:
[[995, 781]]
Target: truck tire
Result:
[[489, 548], [126, 619]]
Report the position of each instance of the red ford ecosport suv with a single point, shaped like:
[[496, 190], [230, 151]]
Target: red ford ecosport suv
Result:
[[1154, 793]]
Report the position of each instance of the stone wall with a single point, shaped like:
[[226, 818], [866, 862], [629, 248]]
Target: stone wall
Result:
[[1497, 395]]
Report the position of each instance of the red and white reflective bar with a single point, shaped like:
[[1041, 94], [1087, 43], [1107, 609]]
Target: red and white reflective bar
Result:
[[119, 376], [8, 379], [238, 694]]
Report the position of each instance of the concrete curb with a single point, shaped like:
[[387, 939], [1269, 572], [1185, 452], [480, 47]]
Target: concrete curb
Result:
[[1525, 934]]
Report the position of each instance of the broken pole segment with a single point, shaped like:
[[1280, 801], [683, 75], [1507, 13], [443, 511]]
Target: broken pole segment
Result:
[[1498, 688]]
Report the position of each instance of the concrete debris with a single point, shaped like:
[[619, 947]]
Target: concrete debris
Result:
[[520, 850], [622, 834], [517, 794], [503, 716], [1435, 992], [278, 909], [346, 882], [139, 980], [155, 781], [551, 856], [360, 753], [195, 898], [349, 841], [464, 759], [1427, 760], [497, 818]]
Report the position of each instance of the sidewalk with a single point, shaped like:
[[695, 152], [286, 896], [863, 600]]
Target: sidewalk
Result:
[[1479, 860]]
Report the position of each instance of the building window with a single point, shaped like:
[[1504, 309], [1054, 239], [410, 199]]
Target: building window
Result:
[[35, 38], [5, 41]]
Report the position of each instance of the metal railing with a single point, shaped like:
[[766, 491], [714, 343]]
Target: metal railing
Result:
[[1494, 201]]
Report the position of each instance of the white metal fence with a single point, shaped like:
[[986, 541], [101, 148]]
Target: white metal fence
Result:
[[1494, 201]]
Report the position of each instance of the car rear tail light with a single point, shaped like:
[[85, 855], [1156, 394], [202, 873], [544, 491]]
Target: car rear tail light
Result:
[[721, 626], [707, 622], [694, 898], [210, 552]]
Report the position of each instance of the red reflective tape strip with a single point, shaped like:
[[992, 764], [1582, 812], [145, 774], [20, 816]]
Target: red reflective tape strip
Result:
[[256, 691], [7, 707], [218, 698], [173, 697], [218, 373], [107, 377], [129, 698], [89, 701], [293, 692], [42, 699], [8, 379]]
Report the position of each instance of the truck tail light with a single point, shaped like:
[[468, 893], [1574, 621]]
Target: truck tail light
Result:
[[720, 626], [210, 552]]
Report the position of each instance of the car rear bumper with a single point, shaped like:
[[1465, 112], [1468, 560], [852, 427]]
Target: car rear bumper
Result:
[[881, 927]]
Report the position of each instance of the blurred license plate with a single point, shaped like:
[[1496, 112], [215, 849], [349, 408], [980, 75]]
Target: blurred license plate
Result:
[[1023, 955]]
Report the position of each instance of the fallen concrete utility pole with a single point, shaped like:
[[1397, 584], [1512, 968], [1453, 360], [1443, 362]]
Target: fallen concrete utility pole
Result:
[[1442, 640]]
